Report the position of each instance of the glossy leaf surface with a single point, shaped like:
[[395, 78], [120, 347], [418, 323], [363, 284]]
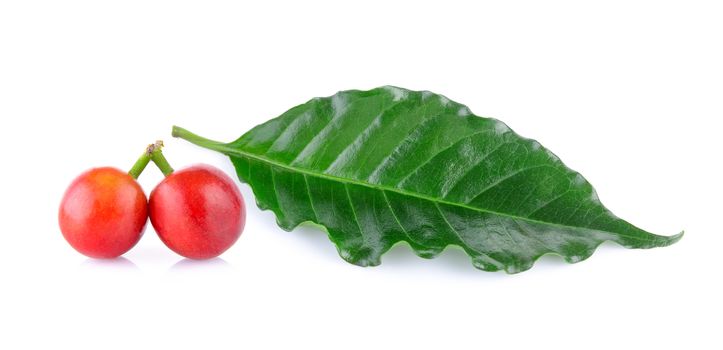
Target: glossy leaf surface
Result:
[[388, 165]]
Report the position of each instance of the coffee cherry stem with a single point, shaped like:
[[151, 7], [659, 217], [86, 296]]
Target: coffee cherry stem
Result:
[[140, 164], [158, 158], [161, 162], [152, 153]]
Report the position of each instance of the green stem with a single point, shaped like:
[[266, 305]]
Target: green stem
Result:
[[157, 157], [140, 164], [198, 140]]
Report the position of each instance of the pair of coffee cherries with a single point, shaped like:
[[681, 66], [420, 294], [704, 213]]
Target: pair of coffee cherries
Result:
[[198, 212]]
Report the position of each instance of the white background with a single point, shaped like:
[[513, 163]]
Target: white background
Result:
[[628, 93]]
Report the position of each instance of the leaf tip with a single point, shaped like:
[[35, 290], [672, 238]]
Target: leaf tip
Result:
[[675, 238], [664, 241]]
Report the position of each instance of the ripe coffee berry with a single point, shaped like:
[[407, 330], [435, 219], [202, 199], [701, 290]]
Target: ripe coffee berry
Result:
[[198, 212], [103, 213]]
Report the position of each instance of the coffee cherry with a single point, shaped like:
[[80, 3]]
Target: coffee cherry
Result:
[[198, 212], [103, 213]]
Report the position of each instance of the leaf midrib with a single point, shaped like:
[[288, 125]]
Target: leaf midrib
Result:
[[230, 151]]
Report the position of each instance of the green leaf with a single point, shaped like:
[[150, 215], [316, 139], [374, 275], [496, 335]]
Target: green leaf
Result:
[[388, 165]]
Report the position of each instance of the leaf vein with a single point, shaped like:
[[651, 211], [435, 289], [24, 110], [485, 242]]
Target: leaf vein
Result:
[[411, 240], [353, 211], [230, 151], [401, 143], [461, 240], [459, 179], [505, 178], [362, 133], [311, 202], [417, 168]]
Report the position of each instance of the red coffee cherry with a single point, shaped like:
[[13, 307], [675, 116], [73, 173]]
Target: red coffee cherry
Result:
[[103, 213], [198, 211]]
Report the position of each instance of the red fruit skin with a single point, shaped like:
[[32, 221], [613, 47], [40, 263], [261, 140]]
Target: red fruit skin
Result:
[[198, 212], [103, 213]]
